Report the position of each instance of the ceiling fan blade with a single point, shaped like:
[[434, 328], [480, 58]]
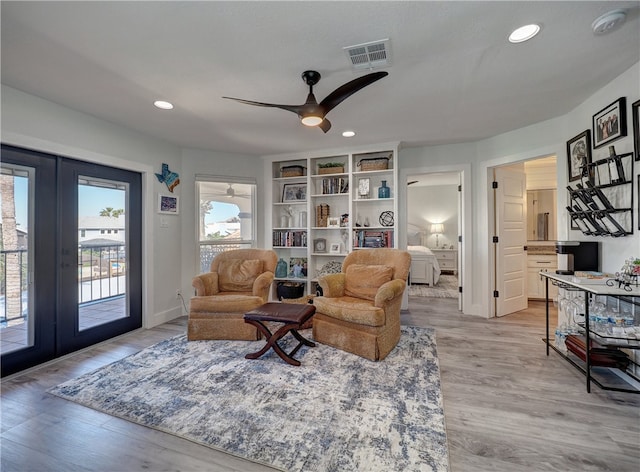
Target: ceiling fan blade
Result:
[[325, 125], [345, 91], [292, 108], [412, 182]]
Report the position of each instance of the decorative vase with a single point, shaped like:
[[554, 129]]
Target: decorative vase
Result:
[[384, 191], [281, 268]]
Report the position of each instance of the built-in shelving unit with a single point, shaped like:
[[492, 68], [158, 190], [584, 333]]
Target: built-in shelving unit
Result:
[[320, 210]]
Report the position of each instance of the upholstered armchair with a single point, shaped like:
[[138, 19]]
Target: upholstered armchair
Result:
[[238, 282], [359, 311]]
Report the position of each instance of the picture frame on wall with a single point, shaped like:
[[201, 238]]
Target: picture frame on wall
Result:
[[635, 112], [335, 248], [294, 193], [610, 123], [578, 154], [168, 204]]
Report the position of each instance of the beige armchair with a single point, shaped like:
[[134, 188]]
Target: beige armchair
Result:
[[239, 281], [359, 311]]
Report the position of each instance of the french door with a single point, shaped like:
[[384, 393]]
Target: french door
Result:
[[71, 256]]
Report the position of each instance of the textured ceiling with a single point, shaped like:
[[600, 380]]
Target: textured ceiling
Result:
[[453, 76]]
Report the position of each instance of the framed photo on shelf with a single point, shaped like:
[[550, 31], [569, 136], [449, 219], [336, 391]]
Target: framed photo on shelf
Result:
[[578, 154], [610, 123], [320, 245], [363, 187], [298, 267], [635, 111], [333, 222], [294, 192], [168, 205], [335, 248]]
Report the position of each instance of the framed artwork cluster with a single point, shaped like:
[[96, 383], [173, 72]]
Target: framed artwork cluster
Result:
[[604, 188]]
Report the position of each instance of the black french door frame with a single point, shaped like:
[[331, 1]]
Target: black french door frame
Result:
[[55, 262]]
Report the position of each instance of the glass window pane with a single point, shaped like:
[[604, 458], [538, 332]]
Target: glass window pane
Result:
[[225, 219]]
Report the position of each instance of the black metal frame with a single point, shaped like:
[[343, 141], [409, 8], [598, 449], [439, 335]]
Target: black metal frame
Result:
[[585, 367]]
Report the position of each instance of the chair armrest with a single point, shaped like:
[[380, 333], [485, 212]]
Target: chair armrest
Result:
[[262, 284], [332, 285], [389, 291], [206, 284]]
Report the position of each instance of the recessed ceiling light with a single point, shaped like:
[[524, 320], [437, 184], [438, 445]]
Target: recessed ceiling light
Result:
[[348, 134], [162, 104], [524, 33]]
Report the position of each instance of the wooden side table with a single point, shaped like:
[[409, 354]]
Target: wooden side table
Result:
[[447, 260]]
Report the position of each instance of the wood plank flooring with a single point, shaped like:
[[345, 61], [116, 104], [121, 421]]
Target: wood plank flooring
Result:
[[508, 407]]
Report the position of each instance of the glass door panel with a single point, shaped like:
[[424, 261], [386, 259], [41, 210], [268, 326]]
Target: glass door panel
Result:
[[102, 254], [16, 320]]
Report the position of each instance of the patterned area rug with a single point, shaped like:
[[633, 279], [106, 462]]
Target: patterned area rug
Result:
[[336, 412], [447, 287]]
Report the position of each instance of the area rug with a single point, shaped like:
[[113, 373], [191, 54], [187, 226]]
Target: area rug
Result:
[[447, 287], [335, 412]]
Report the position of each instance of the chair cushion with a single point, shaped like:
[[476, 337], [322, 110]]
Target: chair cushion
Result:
[[237, 275], [363, 281], [353, 310], [225, 303]]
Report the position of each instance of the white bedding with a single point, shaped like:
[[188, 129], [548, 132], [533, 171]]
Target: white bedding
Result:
[[423, 260]]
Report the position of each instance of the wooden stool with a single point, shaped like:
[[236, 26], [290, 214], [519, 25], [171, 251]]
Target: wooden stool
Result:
[[292, 315]]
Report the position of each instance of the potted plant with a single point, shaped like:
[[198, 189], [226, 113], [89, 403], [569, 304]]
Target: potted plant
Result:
[[331, 168]]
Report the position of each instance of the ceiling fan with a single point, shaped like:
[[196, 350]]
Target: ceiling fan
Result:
[[312, 113], [229, 193]]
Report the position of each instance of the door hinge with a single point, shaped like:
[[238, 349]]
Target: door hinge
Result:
[[459, 188], [495, 239], [496, 294], [460, 238], [526, 248], [460, 289], [494, 184]]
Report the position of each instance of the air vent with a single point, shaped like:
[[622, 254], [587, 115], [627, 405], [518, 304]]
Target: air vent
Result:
[[372, 55]]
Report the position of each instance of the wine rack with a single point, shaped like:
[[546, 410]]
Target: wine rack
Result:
[[602, 204]]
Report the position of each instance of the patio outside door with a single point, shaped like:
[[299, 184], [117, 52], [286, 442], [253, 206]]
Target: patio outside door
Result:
[[71, 256]]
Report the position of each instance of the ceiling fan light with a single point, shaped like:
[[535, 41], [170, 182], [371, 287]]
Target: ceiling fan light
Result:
[[311, 120]]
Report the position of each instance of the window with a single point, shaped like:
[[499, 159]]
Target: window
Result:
[[225, 216]]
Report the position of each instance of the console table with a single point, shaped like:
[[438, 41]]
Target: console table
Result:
[[594, 287]]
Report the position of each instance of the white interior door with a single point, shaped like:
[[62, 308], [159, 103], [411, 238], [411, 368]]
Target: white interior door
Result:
[[459, 245], [511, 230]]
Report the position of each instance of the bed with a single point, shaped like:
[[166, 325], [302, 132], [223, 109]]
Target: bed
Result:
[[424, 266]]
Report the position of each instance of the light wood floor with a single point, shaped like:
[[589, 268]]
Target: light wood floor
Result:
[[508, 407]]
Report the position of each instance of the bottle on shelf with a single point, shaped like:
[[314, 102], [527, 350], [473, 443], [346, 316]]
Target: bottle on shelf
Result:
[[598, 197], [613, 227], [616, 169], [384, 191], [581, 199]]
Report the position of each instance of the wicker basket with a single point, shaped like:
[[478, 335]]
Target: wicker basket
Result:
[[330, 170], [292, 171], [322, 215], [374, 163]]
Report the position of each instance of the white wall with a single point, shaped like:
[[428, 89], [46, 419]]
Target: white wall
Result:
[[34, 123], [169, 251], [543, 139]]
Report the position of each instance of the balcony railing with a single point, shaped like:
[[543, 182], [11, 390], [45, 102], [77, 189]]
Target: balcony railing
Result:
[[101, 275], [18, 306]]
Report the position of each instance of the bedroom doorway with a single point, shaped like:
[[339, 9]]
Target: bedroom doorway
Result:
[[434, 232]]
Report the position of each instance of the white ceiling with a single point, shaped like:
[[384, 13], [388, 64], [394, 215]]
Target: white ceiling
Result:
[[453, 76]]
